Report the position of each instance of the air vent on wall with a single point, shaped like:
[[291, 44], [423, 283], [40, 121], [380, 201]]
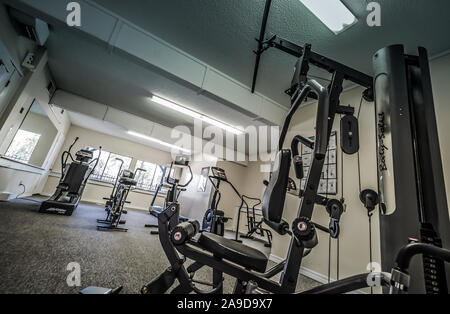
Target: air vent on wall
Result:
[[29, 26]]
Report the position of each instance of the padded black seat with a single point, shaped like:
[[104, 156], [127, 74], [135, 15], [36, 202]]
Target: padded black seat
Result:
[[233, 251]]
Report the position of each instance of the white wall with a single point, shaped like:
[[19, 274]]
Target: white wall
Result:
[[40, 124], [21, 95], [12, 173]]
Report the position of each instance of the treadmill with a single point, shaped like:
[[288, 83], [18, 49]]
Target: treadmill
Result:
[[73, 180]]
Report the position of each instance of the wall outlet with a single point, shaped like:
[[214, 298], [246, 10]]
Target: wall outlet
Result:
[[5, 196], [28, 62]]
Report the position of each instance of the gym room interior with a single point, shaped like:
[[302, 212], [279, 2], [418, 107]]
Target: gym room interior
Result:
[[134, 131]]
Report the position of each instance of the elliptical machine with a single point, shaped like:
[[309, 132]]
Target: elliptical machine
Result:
[[175, 188], [73, 181], [214, 219], [115, 205]]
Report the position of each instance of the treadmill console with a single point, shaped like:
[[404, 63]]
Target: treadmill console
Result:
[[84, 155], [218, 173], [127, 174], [127, 178], [181, 160]]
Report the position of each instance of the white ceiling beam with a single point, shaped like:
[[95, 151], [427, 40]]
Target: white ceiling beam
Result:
[[119, 33]]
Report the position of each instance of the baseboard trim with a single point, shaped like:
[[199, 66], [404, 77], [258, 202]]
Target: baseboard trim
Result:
[[311, 273], [102, 203]]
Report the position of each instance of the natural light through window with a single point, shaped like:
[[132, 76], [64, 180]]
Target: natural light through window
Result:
[[108, 166], [150, 179], [23, 145]]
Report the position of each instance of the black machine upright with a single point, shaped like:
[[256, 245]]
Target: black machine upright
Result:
[[214, 219], [404, 105], [411, 183], [115, 204], [173, 192], [248, 265], [74, 176]]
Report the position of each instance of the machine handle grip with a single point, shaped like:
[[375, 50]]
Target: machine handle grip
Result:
[[321, 139], [184, 232], [191, 176]]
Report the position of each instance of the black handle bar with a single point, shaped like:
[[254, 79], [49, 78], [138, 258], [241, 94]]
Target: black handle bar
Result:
[[117, 178], [321, 140], [95, 165], [180, 185], [67, 154]]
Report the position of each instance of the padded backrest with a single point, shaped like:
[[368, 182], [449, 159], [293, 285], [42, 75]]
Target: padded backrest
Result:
[[127, 181], [75, 176], [275, 194]]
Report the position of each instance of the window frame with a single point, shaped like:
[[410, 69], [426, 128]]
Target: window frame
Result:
[[100, 177], [152, 188]]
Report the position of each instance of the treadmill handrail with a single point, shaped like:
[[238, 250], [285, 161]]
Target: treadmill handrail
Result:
[[68, 154]]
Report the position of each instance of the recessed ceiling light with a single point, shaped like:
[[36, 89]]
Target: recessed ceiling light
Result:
[[155, 140], [171, 105], [333, 13]]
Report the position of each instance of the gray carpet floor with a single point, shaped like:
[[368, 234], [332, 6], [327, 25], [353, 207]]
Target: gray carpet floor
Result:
[[35, 250]]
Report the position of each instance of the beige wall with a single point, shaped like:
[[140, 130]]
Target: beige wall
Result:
[[95, 191], [248, 180], [194, 203], [111, 144], [236, 174]]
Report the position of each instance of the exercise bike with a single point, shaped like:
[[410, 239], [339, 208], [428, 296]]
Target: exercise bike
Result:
[[109, 200], [74, 176], [115, 205]]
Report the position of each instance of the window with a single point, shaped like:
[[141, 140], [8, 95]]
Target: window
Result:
[[23, 145], [108, 166], [150, 179]]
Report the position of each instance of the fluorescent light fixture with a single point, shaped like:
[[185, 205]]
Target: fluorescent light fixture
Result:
[[196, 115], [155, 140], [333, 13]]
